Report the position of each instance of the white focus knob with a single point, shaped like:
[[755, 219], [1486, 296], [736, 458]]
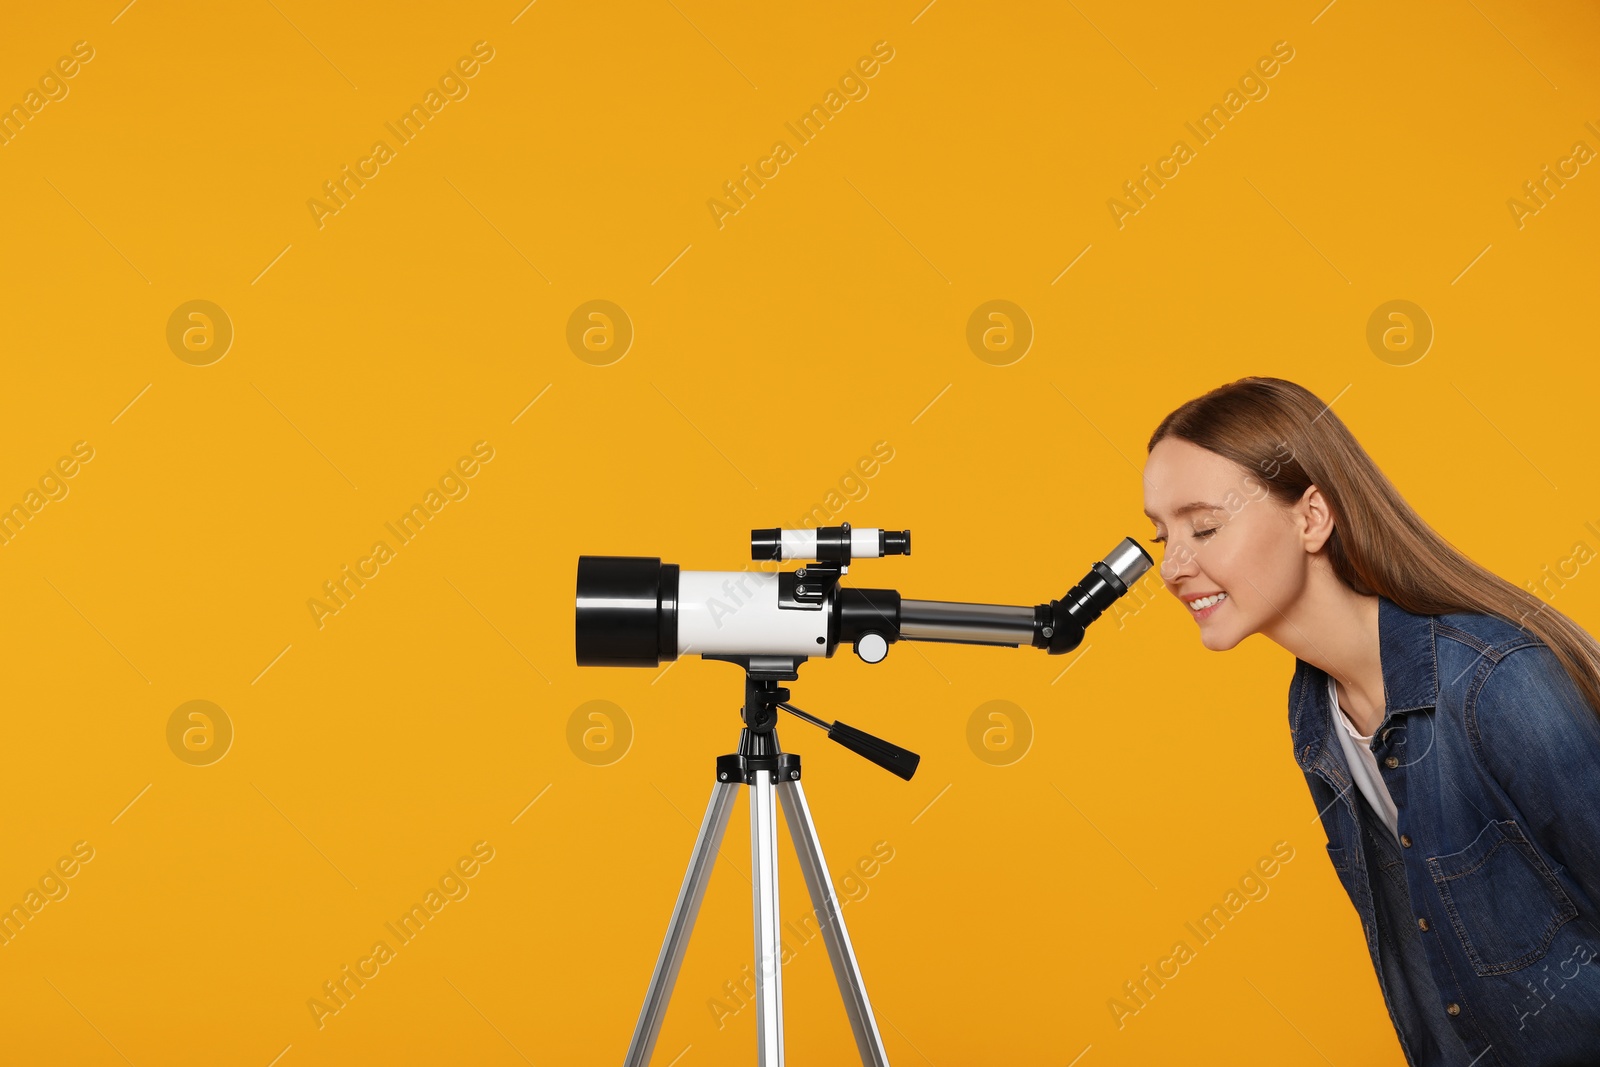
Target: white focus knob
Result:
[[872, 647]]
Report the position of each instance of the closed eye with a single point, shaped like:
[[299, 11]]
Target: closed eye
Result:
[[1202, 534]]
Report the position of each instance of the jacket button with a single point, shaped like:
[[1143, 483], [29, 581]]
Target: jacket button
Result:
[[1405, 840], [1423, 924], [1391, 762], [1452, 1008]]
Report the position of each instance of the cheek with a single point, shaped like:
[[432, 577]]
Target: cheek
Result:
[[1227, 561], [1259, 572]]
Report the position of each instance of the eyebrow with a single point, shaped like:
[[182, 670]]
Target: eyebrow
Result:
[[1197, 505]]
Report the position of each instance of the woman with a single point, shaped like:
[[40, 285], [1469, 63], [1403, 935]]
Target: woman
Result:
[[1444, 718]]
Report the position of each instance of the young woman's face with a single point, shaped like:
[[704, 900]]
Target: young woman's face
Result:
[[1239, 542]]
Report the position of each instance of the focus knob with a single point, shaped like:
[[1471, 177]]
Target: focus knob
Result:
[[872, 647]]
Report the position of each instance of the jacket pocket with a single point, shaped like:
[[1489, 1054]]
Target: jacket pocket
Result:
[[1503, 901]]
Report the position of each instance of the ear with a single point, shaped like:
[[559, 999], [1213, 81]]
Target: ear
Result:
[[1314, 518]]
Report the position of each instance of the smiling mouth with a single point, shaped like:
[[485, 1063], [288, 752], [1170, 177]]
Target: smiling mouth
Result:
[[1204, 606]]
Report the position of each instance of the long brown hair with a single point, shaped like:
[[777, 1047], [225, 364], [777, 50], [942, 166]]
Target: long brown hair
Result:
[[1289, 440]]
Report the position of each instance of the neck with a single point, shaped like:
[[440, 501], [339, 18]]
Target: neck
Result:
[[1334, 628]]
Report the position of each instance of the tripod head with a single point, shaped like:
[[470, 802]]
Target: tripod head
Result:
[[763, 696]]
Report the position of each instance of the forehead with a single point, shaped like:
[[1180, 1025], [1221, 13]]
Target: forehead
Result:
[[1180, 478]]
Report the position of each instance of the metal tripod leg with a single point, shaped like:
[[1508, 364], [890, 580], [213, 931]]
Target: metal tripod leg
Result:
[[695, 879], [769, 947], [845, 969]]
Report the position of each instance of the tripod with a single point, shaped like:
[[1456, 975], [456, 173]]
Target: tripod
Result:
[[771, 775]]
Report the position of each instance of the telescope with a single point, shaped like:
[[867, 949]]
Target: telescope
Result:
[[635, 611]]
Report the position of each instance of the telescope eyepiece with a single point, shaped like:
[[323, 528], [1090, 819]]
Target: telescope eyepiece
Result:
[[1063, 622], [1128, 562]]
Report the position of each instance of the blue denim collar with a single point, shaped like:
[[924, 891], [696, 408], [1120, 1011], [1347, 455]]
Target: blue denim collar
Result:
[[1410, 679]]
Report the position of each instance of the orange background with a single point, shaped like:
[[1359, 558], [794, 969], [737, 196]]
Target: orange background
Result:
[[769, 356]]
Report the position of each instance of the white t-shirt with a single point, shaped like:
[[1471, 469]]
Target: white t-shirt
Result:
[[1363, 764]]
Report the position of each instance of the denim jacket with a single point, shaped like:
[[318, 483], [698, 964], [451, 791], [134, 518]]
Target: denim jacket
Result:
[[1483, 922]]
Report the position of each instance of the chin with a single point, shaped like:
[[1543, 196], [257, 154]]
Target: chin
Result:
[[1219, 640]]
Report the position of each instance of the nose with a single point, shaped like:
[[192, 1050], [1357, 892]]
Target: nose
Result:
[[1177, 563]]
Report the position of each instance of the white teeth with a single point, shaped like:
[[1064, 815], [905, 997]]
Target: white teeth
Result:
[[1206, 601]]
